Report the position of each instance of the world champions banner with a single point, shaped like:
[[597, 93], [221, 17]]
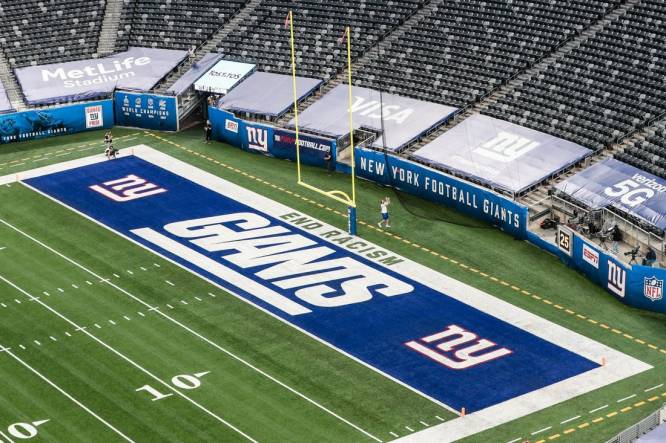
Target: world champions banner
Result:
[[137, 68]]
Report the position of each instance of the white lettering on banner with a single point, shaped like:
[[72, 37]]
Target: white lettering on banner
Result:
[[506, 147], [374, 109], [97, 70], [257, 138], [617, 278], [445, 190], [127, 188], [591, 256], [294, 262], [631, 194], [449, 342]]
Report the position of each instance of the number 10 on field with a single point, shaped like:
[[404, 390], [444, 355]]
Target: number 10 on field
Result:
[[183, 381]]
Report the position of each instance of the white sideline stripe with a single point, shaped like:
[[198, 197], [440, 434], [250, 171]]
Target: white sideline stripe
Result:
[[223, 272], [618, 365], [131, 362], [598, 409], [569, 419], [190, 330], [63, 392], [541, 430]]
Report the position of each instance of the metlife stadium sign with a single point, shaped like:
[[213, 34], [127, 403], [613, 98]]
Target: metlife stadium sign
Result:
[[136, 68], [223, 76]]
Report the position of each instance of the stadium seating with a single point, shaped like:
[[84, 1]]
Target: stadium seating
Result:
[[605, 88], [468, 48], [318, 27], [648, 154], [39, 32], [172, 24]]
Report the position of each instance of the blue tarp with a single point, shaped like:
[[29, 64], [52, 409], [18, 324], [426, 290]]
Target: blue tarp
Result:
[[499, 153], [193, 74], [617, 184], [404, 119], [267, 94], [5, 105], [137, 68]]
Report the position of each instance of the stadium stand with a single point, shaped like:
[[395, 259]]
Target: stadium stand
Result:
[[172, 24], [648, 154], [40, 32], [605, 88], [465, 49], [318, 27]]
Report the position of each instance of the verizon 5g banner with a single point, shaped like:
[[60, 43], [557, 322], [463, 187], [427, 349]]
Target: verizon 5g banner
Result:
[[617, 184], [136, 68]]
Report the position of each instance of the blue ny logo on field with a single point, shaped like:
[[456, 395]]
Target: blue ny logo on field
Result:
[[338, 288]]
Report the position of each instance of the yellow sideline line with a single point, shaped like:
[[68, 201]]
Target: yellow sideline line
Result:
[[601, 418], [464, 266]]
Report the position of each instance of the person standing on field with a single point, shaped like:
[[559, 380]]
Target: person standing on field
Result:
[[383, 206]]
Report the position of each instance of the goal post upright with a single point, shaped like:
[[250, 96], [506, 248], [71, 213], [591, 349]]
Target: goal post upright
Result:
[[336, 195]]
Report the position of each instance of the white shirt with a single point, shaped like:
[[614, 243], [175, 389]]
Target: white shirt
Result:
[[384, 208]]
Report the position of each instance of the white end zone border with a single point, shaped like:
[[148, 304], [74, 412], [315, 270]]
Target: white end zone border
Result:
[[618, 365]]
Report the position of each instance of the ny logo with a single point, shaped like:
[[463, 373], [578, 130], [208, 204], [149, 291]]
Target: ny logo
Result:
[[257, 138], [445, 348], [617, 278], [506, 147], [127, 188]]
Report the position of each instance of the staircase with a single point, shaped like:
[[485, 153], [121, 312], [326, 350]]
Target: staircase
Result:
[[376, 51], [109, 31], [242, 16], [11, 84]]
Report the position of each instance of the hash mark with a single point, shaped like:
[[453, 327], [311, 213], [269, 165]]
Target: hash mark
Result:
[[61, 290], [89, 282], [169, 283], [183, 302], [598, 409], [112, 322], [22, 347], [126, 318], [68, 334], [424, 423], [130, 272], [98, 326], [198, 298], [394, 434], [211, 294], [53, 338], [37, 342], [4, 305], [74, 286], [141, 314], [439, 418], [46, 293], [409, 429], [142, 268], [626, 398], [156, 265], [653, 387], [169, 306], [17, 301], [116, 275]]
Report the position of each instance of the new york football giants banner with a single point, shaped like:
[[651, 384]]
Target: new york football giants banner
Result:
[[147, 111], [441, 188], [137, 68], [614, 183], [29, 125]]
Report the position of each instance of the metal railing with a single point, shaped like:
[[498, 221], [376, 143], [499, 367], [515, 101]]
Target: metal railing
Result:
[[641, 428]]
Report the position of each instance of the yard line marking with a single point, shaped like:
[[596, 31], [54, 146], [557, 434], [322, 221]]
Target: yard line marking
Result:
[[68, 334], [53, 338], [195, 333], [541, 430], [598, 409], [59, 389], [654, 387], [183, 302], [626, 398], [142, 268], [169, 306], [409, 429], [133, 363], [46, 293], [169, 283], [116, 275], [424, 423], [439, 418], [88, 282], [17, 301], [60, 290], [126, 318], [22, 347], [112, 322], [3, 305], [141, 314], [3, 247], [74, 286], [394, 434], [569, 419], [37, 342], [130, 272], [211, 294], [198, 298], [2, 434]]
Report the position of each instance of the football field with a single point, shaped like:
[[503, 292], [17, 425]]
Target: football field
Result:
[[111, 333]]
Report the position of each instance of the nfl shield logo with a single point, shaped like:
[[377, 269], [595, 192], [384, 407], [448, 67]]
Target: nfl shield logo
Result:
[[653, 288]]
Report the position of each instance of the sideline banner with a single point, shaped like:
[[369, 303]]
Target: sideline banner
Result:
[[637, 286], [136, 68], [147, 111], [614, 183], [223, 76], [440, 188], [29, 125]]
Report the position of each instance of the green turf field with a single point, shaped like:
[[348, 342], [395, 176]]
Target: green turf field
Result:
[[165, 356]]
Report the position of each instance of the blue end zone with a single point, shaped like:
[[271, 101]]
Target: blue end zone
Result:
[[374, 331]]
